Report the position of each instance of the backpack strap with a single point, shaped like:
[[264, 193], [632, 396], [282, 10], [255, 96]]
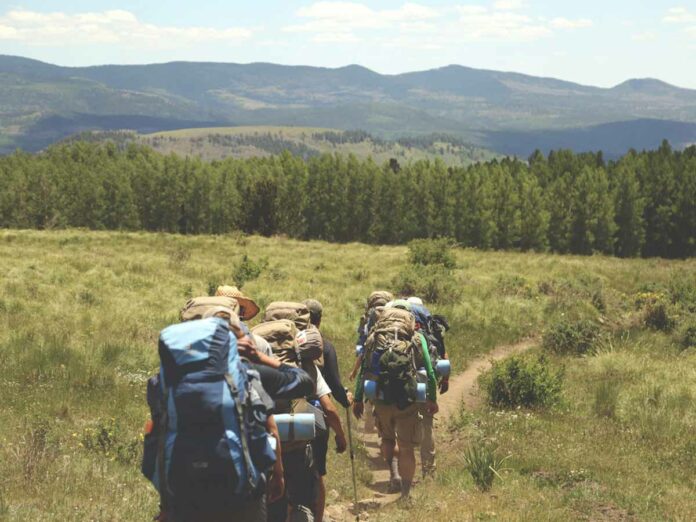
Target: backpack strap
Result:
[[243, 429], [161, 442]]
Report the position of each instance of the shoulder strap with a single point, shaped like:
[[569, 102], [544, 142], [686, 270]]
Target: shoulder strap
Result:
[[237, 398], [161, 441]]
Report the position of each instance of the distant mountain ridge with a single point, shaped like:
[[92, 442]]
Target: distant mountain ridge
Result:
[[488, 108]]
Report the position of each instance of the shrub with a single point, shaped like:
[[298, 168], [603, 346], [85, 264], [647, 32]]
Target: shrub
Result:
[[514, 285], [575, 337], [431, 252], [481, 461], [523, 382], [248, 270], [682, 291], [657, 315], [434, 284], [109, 439], [606, 399], [687, 335]]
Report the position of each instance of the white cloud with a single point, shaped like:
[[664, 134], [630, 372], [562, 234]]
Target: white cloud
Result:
[[502, 20], [106, 27], [679, 15], [509, 5], [646, 36], [682, 16], [499, 25], [565, 23]]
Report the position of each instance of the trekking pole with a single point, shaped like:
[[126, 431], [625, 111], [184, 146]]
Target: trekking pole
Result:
[[352, 465]]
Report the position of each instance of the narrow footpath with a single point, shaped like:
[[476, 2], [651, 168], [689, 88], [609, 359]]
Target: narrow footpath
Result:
[[463, 390]]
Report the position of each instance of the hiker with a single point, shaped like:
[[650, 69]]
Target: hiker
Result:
[[393, 352], [210, 418], [330, 372], [432, 327], [375, 299], [293, 338]]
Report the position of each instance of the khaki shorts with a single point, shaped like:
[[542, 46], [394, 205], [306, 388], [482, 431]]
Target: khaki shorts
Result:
[[404, 426]]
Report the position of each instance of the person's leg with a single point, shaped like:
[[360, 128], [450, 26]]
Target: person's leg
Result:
[[427, 449], [408, 435], [321, 500], [407, 468], [320, 447], [384, 420]]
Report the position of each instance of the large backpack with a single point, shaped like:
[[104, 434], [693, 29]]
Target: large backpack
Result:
[[392, 356], [426, 326], [294, 347], [375, 301], [209, 447], [298, 313]]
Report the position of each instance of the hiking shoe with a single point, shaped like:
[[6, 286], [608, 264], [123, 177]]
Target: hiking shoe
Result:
[[395, 485]]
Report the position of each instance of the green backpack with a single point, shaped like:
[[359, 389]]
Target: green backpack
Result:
[[391, 356]]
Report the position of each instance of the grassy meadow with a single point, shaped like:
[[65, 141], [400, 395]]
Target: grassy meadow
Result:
[[80, 313]]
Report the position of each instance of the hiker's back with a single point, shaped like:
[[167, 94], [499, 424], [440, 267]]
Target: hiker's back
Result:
[[209, 452]]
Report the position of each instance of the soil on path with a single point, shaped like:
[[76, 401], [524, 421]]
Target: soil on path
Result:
[[463, 390]]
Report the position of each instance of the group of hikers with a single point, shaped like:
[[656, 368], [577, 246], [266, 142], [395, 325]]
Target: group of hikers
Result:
[[241, 418]]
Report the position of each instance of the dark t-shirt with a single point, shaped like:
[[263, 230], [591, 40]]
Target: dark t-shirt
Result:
[[331, 374]]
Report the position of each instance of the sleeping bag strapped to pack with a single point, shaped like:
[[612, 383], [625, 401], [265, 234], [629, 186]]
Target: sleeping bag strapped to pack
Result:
[[390, 353], [209, 447]]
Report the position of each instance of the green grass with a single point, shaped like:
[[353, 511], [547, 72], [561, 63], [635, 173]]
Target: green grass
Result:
[[80, 313]]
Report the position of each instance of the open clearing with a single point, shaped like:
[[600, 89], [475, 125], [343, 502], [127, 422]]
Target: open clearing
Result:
[[80, 313]]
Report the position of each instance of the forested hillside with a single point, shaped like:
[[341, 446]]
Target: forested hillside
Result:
[[509, 112], [640, 205]]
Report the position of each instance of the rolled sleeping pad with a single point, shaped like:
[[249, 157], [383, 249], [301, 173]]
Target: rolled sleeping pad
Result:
[[295, 426], [443, 368], [370, 388], [421, 392], [371, 391]]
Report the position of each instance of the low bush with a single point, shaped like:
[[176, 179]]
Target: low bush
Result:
[[108, 438], [431, 252], [481, 461], [514, 285], [606, 398], [523, 382], [658, 316], [574, 337], [434, 284], [248, 270], [687, 335]]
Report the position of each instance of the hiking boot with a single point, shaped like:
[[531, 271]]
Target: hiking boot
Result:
[[395, 485]]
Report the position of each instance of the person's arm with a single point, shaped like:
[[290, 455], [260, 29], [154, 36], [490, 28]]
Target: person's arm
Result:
[[431, 392], [334, 422], [285, 382], [332, 375], [276, 483], [358, 406]]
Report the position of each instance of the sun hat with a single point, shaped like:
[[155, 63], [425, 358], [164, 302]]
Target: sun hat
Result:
[[249, 308]]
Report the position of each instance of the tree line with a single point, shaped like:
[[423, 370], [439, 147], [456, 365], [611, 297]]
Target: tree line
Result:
[[643, 204]]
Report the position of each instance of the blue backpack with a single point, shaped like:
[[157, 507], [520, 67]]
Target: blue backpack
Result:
[[209, 448]]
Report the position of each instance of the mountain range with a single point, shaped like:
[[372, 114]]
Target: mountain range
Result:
[[510, 113]]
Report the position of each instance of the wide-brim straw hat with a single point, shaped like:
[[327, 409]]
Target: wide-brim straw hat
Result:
[[249, 308]]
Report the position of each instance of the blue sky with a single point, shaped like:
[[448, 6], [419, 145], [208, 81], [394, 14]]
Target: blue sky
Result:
[[597, 42]]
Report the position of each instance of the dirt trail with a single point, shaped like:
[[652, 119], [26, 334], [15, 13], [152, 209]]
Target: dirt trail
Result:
[[462, 389]]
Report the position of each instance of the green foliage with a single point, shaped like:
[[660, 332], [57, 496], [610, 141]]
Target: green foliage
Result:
[[606, 397], [525, 382], [108, 438], [687, 335], [483, 463], [431, 252], [248, 270], [433, 283], [657, 313], [566, 202], [571, 337]]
